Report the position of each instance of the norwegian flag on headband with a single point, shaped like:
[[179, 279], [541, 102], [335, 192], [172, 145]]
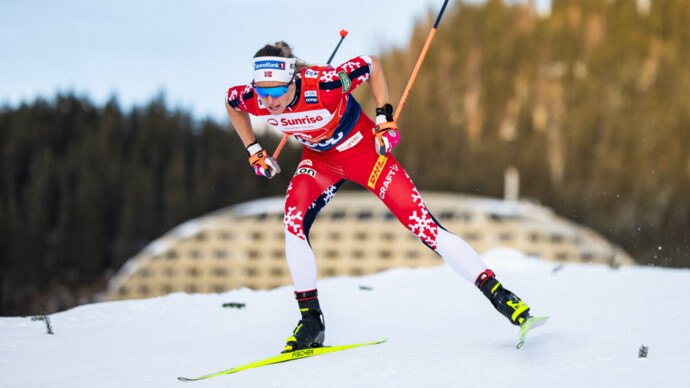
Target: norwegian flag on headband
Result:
[[268, 74]]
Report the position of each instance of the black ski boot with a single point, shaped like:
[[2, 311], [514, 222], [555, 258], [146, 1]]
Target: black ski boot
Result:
[[310, 330], [503, 300]]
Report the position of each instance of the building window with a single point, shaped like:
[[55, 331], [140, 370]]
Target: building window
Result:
[[411, 255], [446, 215], [472, 236], [331, 254], [466, 217], [386, 255], [220, 272], [365, 215], [497, 217], [192, 272]]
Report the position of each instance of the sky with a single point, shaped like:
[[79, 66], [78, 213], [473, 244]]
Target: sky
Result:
[[191, 51], [441, 332]]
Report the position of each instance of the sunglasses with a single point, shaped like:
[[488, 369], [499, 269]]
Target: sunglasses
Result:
[[275, 91]]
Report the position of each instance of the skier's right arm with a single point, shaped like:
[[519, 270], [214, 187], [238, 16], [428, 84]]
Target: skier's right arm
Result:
[[262, 162]]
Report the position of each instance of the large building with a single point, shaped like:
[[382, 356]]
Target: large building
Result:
[[243, 245]]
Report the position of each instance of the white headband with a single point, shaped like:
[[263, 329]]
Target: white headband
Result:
[[273, 69]]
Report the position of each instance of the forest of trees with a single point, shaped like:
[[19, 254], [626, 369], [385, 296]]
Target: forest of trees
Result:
[[84, 188], [590, 103]]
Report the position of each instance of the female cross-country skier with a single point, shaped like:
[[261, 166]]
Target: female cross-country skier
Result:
[[314, 104]]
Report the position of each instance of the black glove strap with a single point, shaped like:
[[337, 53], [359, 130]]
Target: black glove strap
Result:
[[386, 110]]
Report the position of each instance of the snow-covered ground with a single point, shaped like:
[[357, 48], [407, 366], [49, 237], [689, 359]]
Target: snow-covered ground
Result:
[[441, 333]]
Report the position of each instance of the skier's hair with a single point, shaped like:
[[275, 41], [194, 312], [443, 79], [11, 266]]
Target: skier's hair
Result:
[[281, 49]]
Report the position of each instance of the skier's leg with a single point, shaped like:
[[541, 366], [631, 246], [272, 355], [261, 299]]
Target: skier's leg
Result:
[[395, 188], [305, 197], [389, 181], [309, 191]]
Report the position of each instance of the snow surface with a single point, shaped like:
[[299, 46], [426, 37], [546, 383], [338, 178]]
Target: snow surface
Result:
[[441, 333]]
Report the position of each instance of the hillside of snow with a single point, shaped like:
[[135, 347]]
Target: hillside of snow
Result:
[[441, 333]]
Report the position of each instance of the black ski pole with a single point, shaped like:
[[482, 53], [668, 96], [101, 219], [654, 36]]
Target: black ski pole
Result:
[[343, 34]]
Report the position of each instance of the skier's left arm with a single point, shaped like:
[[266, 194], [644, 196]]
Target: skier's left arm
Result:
[[386, 130], [343, 79]]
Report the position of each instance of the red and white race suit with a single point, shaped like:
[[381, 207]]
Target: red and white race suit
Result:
[[338, 146]]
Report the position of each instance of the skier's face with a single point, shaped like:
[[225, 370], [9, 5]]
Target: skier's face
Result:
[[275, 96]]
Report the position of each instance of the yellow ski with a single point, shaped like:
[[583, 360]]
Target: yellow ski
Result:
[[530, 323], [297, 354]]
